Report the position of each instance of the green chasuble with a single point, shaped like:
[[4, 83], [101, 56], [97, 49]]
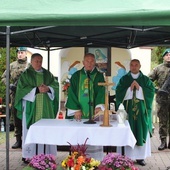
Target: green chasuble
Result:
[[78, 93], [43, 106], [139, 111]]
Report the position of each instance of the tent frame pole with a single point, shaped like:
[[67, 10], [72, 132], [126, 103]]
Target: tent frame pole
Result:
[[7, 93]]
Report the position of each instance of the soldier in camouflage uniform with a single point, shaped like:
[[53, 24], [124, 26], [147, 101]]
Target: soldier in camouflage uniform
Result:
[[16, 68], [161, 74]]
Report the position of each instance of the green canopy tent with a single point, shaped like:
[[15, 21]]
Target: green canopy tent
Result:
[[84, 13], [67, 23]]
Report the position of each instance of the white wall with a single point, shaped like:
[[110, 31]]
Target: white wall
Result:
[[54, 65], [144, 56], [60, 60], [70, 55]]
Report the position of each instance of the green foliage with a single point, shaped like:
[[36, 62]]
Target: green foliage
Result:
[[156, 56], [3, 68], [3, 137], [28, 168]]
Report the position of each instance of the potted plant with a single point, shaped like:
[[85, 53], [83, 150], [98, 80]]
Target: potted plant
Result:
[[114, 161], [42, 162]]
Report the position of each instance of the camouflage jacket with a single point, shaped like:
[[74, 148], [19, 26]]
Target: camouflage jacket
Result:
[[160, 74], [16, 68]]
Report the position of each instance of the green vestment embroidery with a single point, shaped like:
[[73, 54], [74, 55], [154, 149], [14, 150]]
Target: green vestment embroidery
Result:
[[84, 94], [39, 97]]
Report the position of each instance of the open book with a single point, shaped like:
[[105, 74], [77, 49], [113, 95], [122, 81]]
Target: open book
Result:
[[99, 116]]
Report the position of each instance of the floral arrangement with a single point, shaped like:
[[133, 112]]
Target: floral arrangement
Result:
[[42, 162], [114, 161], [66, 85], [78, 160]]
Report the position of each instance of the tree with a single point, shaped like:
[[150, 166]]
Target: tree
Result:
[[156, 56], [3, 68]]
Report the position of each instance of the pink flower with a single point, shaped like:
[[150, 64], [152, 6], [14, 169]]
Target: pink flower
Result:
[[117, 162], [43, 162]]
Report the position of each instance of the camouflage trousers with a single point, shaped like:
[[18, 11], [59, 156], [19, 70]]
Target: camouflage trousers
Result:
[[17, 122], [163, 112]]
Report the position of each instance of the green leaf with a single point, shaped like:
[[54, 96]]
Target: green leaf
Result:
[[28, 168], [59, 168]]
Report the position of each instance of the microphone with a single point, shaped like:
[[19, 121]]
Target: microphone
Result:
[[88, 74]]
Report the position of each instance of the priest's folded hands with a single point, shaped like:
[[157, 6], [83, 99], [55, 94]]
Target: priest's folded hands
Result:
[[134, 85], [43, 88]]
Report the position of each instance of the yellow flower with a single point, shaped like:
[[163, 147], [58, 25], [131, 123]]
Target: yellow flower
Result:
[[64, 163], [78, 160], [94, 163]]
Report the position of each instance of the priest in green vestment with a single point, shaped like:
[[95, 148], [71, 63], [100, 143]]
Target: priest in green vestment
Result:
[[136, 92], [37, 97], [78, 104], [78, 93]]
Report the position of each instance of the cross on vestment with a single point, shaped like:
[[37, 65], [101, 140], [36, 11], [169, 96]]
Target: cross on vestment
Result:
[[106, 111], [28, 149]]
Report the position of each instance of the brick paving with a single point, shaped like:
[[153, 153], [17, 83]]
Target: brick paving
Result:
[[158, 161]]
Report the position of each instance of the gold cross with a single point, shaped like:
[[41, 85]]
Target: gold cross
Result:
[[106, 111]]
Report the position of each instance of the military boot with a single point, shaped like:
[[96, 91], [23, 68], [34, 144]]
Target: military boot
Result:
[[163, 144], [18, 143]]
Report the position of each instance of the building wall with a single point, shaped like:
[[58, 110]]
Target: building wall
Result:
[[76, 54], [62, 60], [54, 60], [144, 56]]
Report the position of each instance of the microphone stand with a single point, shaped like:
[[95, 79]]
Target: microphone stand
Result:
[[90, 121]]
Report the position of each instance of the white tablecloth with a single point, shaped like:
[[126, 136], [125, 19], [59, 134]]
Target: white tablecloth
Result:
[[59, 132]]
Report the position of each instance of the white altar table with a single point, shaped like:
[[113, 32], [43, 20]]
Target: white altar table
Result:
[[59, 132]]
